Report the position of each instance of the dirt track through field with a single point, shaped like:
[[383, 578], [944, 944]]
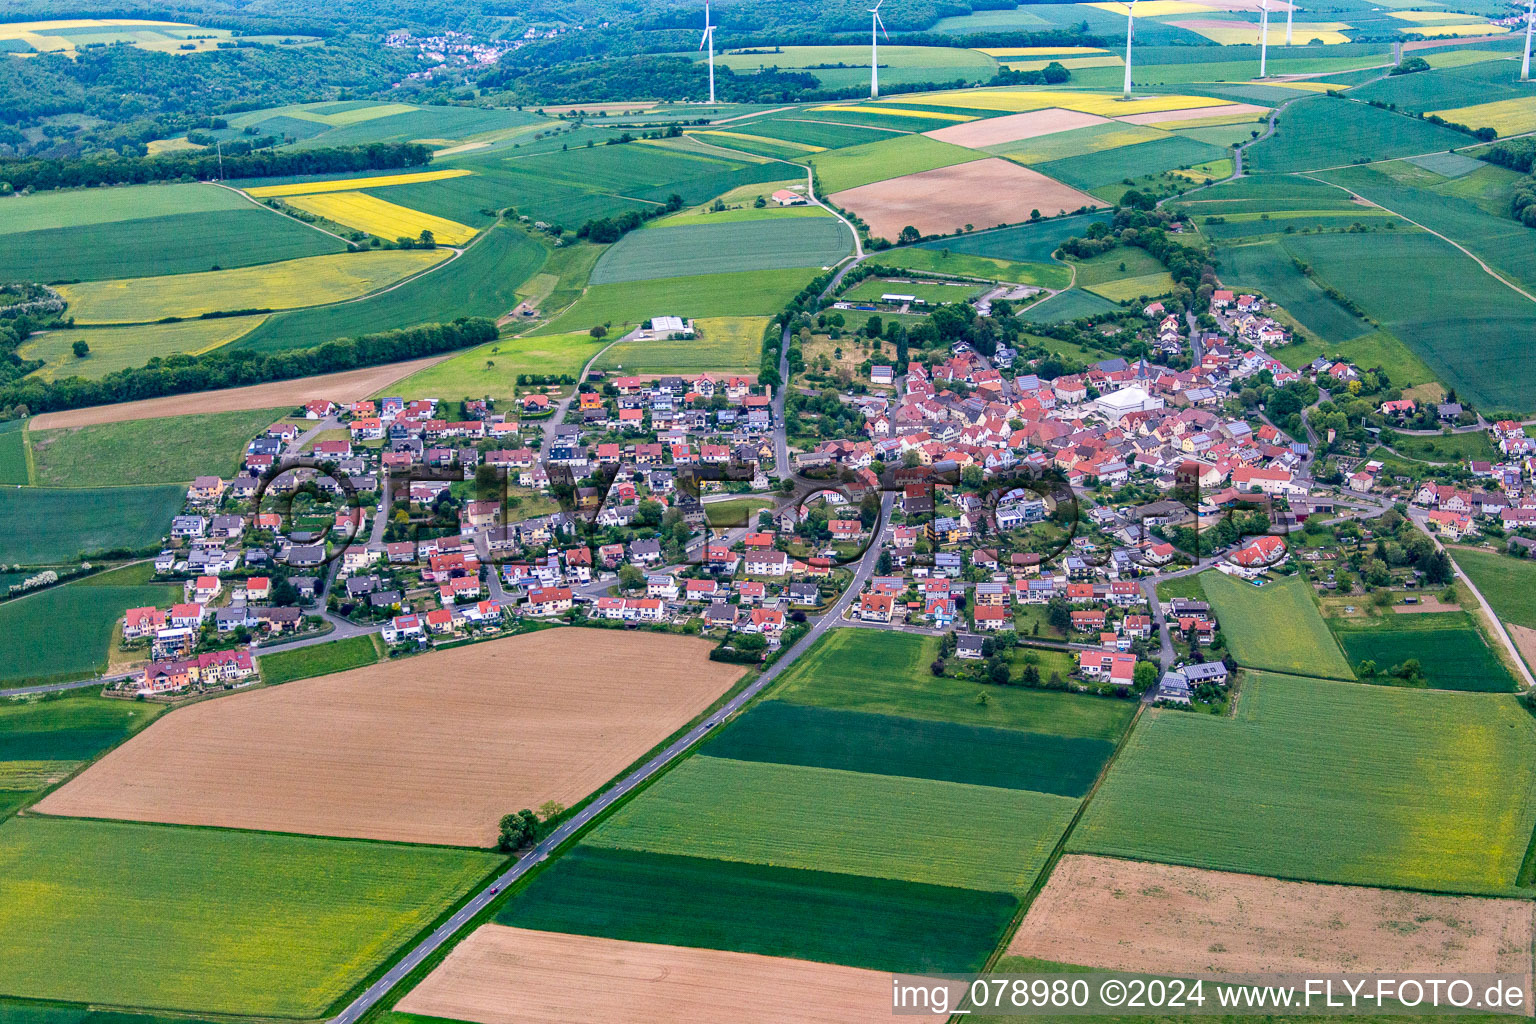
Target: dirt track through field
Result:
[[1131, 915], [984, 193], [994, 131], [505, 975], [351, 386], [430, 749]]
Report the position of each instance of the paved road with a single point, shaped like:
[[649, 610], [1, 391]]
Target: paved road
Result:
[[429, 945]]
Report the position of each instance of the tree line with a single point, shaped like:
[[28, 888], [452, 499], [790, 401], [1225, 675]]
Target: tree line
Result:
[[229, 368], [39, 175]]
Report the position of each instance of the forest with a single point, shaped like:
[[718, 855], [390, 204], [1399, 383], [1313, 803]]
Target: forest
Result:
[[38, 175]]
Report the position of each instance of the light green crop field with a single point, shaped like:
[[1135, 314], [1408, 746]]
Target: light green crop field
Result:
[[1332, 782], [945, 261], [492, 369], [1068, 305], [319, 659], [724, 344], [1275, 627], [773, 211], [53, 525], [285, 285], [241, 922], [118, 348], [29, 628], [1330, 132], [1508, 583], [67, 208], [1116, 265], [736, 511], [887, 673], [1372, 351], [840, 169], [870, 290], [1128, 289], [43, 740], [828, 820], [858, 56], [158, 451], [627, 303], [724, 247], [1268, 268]]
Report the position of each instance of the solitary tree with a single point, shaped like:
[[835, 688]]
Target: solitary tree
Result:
[[81, 349]]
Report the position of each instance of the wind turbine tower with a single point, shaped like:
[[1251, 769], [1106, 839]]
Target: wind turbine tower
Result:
[[709, 40], [876, 26], [1264, 39], [1525, 63], [1130, 24], [1289, 11]]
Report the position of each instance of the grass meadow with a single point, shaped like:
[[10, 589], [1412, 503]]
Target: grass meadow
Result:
[[1328, 781], [318, 659], [119, 348], [483, 281], [945, 261], [1327, 131], [157, 451], [30, 628], [724, 248], [821, 819], [736, 512], [879, 923], [626, 304], [50, 526], [241, 922], [724, 344], [1508, 584], [492, 369], [286, 285], [1026, 243], [840, 169], [1068, 305], [13, 453], [1275, 627]]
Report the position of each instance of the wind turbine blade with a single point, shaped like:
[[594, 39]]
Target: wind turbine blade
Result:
[[881, 24]]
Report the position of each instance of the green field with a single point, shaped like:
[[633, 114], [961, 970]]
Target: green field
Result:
[[83, 207], [156, 451], [241, 922], [1473, 444], [933, 292], [13, 453], [319, 659], [492, 369], [819, 819], [118, 348], [841, 169], [1068, 305], [484, 281], [286, 285], [1125, 272], [1377, 350], [1475, 344], [628, 303], [810, 915], [1098, 169], [856, 741], [724, 344], [1269, 269], [736, 512], [1076, 142], [887, 674], [1025, 243], [49, 526], [30, 628], [745, 215], [1325, 131], [43, 740], [1508, 584], [1328, 781], [183, 243], [810, 130], [945, 261], [723, 248], [1449, 646], [1275, 627]]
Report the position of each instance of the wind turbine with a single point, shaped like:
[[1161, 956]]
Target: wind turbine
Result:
[[1263, 39], [709, 39], [1130, 21], [1290, 9], [876, 26], [1525, 64]]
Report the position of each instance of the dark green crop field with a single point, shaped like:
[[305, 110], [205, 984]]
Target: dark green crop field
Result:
[[1328, 132], [752, 908], [50, 525], [1453, 653], [890, 745]]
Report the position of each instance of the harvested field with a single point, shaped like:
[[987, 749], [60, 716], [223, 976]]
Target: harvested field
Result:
[[1134, 915], [463, 736], [1195, 114], [1525, 639], [1013, 127], [984, 193], [502, 975], [351, 386], [1427, 603]]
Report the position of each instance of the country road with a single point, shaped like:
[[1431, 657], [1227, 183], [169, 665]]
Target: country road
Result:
[[547, 846]]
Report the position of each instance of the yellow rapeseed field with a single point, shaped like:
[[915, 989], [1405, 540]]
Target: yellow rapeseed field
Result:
[[285, 285], [1507, 117], [1156, 8], [1037, 51], [1460, 30], [309, 188], [377, 217]]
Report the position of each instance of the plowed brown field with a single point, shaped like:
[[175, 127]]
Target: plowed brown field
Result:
[[1132, 915], [505, 975], [430, 749]]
